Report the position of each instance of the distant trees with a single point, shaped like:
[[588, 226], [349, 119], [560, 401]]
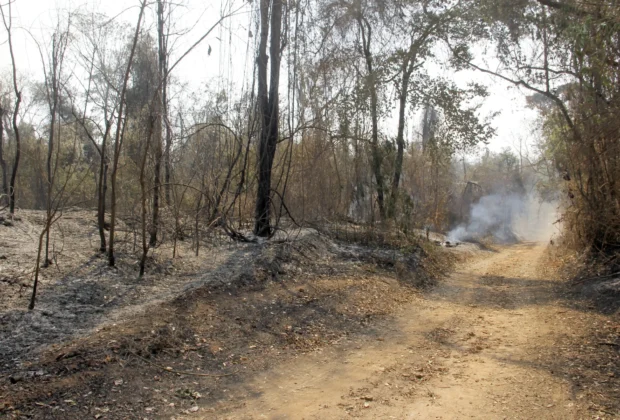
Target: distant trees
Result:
[[566, 55], [388, 45]]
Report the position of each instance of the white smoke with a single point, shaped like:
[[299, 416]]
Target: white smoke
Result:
[[508, 218]]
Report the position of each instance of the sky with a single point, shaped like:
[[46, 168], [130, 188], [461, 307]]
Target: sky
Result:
[[229, 43]]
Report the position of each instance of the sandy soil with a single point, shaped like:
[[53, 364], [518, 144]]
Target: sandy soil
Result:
[[491, 342]]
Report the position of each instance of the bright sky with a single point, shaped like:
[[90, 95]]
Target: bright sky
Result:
[[228, 58]]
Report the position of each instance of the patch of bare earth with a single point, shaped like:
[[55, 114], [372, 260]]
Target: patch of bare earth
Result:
[[498, 339]]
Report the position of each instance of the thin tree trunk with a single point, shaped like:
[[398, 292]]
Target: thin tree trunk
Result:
[[17, 154], [102, 188], [18, 148], [120, 126], [167, 150], [50, 144], [5, 180], [37, 267], [145, 246], [157, 170], [377, 158], [400, 136], [160, 106], [18, 101]]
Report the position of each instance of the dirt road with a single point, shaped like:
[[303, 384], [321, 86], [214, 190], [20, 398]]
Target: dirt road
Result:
[[487, 343]]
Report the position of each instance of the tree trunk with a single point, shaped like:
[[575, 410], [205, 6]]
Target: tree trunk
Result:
[[268, 104], [157, 170], [159, 109], [163, 72], [18, 101], [120, 127], [377, 157], [50, 146], [5, 180], [102, 188], [18, 149], [400, 136], [167, 150], [153, 125], [37, 266]]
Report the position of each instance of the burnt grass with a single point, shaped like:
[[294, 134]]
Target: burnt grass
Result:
[[210, 331]]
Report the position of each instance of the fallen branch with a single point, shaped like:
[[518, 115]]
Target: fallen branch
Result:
[[234, 235]]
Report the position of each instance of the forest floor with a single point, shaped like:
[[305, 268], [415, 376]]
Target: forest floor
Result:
[[304, 329]]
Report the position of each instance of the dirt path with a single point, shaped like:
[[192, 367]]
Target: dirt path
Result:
[[481, 345]]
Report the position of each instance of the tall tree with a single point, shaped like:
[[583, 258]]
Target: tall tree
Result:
[[372, 84], [53, 71], [162, 37], [7, 19], [268, 109], [118, 139], [161, 118], [422, 23]]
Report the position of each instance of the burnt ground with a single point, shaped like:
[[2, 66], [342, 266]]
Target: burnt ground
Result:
[[79, 292], [214, 335]]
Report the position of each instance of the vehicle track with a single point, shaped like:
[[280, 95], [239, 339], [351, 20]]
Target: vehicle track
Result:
[[479, 346]]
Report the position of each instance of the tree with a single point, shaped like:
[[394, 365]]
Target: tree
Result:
[[54, 86], [268, 109], [103, 64], [3, 167], [118, 140], [7, 21], [162, 123], [422, 23], [571, 65]]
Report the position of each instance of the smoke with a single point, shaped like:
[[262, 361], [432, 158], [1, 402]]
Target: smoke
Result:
[[508, 218]]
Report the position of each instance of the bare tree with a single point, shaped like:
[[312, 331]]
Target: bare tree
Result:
[[7, 20], [58, 200], [162, 36], [53, 71], [118, 140], [101, 93]]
